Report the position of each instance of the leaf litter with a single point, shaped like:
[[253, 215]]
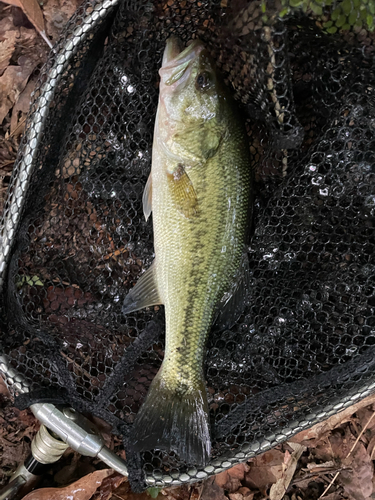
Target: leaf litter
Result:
[[32, 10], [332, 460], [335, 464]]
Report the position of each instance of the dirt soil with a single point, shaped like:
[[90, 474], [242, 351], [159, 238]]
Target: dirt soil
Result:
[[332, 460]]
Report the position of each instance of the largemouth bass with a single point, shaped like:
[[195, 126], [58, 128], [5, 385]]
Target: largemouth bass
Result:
[[199, 193]]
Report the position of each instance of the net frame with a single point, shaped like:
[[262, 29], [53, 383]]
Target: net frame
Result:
[[56, 67]]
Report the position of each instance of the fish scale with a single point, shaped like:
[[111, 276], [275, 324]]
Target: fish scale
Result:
[[199, 194], [190, 254]]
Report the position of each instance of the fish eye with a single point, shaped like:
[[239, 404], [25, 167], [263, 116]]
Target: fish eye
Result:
[[203, 80]]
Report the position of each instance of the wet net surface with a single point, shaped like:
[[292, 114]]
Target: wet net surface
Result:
[[304, 346]]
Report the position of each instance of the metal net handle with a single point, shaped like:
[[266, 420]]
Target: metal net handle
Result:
[[69, 431]]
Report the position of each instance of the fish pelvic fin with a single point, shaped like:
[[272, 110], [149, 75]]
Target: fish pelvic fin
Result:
[[145, 292], [147, 198], [174, 420]]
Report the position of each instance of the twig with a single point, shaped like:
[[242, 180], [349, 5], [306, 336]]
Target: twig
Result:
[[360, 435], [307, 476], [73, 285], [7, 163], [330, 484], [47, 40], [79, 368], [116, 253], [18, 126], [348, 455]]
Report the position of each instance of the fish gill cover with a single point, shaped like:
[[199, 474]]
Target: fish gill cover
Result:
[[303, 347]]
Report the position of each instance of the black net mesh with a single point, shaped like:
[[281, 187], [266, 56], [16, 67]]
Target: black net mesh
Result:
[[75, 240]]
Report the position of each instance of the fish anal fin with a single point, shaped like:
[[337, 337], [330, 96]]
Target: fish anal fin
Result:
[[234, 301], [174, 420], [147, 198], [144, 293], [183, 192]]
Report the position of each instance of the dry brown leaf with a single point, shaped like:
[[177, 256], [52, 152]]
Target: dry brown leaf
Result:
[[363, 418], [181, 492], [242, 494], [333, 496], [123, 492], [196, 491], [12, 453], [357, 470], [4, 391], [265, 470], [57, 13], [32, 10], [14, 78], [246, 493], [316, 468], [212, 491], [357, 483], [12, 83], [83, 489], [317, 431], [16, 3], [21, 108], [19, 43], [8, 36], [230, 480], [371, 448], [278, 489], [108, 486], [235, 496]]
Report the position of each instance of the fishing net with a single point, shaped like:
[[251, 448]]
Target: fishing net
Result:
[[74, 239]]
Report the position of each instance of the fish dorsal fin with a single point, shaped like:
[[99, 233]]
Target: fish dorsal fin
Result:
[[147, 198], [234, 301], [182, 192], [144, 293]]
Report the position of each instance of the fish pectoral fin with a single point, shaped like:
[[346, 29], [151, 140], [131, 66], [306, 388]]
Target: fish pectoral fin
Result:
[[182, 192], [144, 293], [147, 198], [196, 145], [211, 142], [235, 300]]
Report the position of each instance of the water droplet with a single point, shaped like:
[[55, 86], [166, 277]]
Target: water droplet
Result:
[[317, 180], [369, 201], [280, 320]]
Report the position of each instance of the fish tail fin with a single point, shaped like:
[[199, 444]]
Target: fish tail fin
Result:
[[174, 419]]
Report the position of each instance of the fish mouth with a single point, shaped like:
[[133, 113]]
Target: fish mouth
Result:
[[176, 59]]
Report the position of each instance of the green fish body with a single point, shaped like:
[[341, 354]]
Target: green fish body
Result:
[[199, 194]]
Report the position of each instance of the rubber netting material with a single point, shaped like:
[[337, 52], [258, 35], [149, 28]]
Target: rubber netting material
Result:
[[307, 335]]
